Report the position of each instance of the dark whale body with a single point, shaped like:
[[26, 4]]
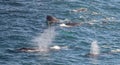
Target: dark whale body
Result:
[[72, 24], [27, 49], [53, 20], [50, 20], [24, 49]]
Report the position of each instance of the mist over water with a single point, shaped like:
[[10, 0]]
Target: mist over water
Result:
[[44, 40]]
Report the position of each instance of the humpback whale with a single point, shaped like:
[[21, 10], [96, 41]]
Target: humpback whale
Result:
[[50, 19], [24, 49]]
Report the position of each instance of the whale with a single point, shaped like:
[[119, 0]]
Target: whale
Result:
[[63, 23], [52, 48], [25, 49], [50, 19], [53, 20]]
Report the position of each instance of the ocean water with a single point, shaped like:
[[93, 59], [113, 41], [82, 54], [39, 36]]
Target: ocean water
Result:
[[24, 21]]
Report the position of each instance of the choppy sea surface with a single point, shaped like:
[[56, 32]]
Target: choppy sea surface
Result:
[[23, 24]]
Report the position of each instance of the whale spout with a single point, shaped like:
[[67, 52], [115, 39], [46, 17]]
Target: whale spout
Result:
[[94, 50]]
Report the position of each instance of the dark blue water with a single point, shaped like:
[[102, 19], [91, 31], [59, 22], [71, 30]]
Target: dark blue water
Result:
[[22, 20]]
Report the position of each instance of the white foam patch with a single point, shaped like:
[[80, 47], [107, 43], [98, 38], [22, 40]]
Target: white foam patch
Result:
[[115, 51], [64, 25], [56, 47]]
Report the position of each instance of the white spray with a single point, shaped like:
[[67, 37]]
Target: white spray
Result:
[[45, 39], [95, 50]]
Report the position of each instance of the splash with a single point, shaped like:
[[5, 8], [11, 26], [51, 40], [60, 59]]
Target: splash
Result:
[[95, 50], [45, 39]]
